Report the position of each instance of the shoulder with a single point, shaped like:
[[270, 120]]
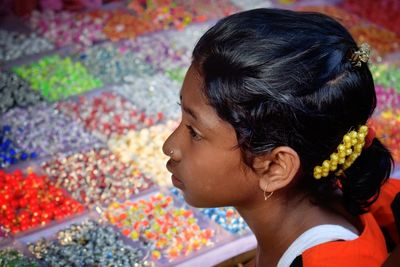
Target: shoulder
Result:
[[368, 249]]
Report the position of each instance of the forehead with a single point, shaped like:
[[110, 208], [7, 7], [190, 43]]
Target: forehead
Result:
[[193, 98]]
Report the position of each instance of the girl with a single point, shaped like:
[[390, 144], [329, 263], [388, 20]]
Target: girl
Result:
[[274, 113]]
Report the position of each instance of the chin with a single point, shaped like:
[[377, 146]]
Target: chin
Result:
[[202, 203]]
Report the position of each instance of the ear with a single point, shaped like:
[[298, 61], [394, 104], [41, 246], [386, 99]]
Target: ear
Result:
[[277, 168]]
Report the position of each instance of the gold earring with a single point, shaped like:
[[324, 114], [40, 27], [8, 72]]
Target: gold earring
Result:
[[269, 195]]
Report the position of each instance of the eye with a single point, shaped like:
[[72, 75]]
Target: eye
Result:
[[195, 136]]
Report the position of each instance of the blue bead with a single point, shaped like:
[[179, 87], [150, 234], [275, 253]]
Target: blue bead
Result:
[[24, 156], [33, 155], [6, 128]]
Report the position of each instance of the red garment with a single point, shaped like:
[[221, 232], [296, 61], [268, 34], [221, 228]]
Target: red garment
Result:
[[369, 249], [382, 211]]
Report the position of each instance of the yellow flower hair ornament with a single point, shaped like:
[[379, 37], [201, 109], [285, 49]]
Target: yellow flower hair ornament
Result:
[[347, 152]]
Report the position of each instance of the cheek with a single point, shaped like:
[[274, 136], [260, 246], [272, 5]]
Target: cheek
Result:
[[216, 179]]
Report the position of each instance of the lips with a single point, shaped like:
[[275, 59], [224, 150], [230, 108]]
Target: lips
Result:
[[175, 181]]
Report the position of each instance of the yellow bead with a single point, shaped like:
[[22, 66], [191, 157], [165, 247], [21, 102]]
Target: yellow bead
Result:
[[341, 161], [318, 169], [317, 176], [334, 157], [348, 145], [354, 141], [349, 151], [325, 169], [333, 167], [326, 164], [358, 148], [342, 154], [353, 134], [346, 138], [361, 136], [324, 174], [341, 147], [364, 129]]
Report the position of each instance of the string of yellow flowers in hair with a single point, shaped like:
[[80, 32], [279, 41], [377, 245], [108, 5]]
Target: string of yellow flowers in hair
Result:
[[347, 152]]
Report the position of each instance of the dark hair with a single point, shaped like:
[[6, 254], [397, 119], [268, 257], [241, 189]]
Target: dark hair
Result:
[[283, 78]]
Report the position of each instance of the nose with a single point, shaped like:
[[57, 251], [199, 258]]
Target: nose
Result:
[[171, 146]]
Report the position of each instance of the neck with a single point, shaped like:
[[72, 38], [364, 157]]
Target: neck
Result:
[[276, 223]]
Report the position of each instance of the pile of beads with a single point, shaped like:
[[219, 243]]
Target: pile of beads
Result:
[[347, 152], [384, 12], [186, 39], [107, 114], [386, 98], [156, 49], [122, 25], [97, 177], [387, 128], [162, 14], [169, 231], [87, 244], [381, 40], [208, 10], [65, 28], [29, 201], [9, 152], [227, 217], [16, 92], [58, 78], [10, 257], [177, 74], [14, 45], [42, 128], [112, 64], [386, 75], [153, 94], [145, 148], [251, 4]]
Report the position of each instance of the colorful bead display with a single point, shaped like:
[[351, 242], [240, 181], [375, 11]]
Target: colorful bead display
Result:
[[58, 78], [66, 28], [29, 201], [384, 12], [227, 217], [170, 232], [386, 98], [387, 129], [145, 148], [42, 129], [386, 75], [13, 258], [381, 40], [107, 114], [14, 45], [157, 50], [156, 95], [122, 25], [9, 153], [112, 64], [15, 92], [88, 244], [97, 177]]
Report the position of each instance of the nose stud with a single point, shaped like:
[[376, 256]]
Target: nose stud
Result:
[[171, 153]]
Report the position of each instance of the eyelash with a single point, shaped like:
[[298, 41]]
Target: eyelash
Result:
[[195, 136]]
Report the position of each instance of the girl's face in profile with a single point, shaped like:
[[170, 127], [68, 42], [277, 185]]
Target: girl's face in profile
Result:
[[206, 163]]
